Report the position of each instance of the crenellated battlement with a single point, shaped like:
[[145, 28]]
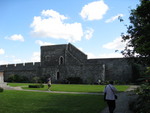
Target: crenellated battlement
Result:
[[21, 66], [65, 60]]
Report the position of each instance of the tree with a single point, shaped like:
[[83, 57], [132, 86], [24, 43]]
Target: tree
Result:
[[138, 33]]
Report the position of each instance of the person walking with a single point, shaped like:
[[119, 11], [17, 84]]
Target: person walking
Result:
[[49, 83], [110, 96]]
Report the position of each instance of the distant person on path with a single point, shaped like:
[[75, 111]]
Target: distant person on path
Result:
[[49, 83], [109, 96]]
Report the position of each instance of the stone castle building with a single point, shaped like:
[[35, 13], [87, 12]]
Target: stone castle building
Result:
[[64, 61]]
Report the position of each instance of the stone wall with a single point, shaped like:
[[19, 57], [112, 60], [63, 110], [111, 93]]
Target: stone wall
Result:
[[77, 53], [63, 61], [28, 70], [50, 55], [115, 68]]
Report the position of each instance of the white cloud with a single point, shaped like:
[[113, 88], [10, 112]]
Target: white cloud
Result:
[[115, 44], [91, 55], [89, 33], [111, 55], [104, 55], [114, 18], [35, 57], [54, 14], [41, 43], [94, 10], [51, 25], [2, 62], [16, 37], [17, 60], [2, 51], [11, 59]]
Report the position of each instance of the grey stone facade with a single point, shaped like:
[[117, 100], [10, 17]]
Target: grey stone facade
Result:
[[63, 61]]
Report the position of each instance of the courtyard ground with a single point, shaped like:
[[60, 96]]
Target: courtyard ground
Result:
[[122, 103]]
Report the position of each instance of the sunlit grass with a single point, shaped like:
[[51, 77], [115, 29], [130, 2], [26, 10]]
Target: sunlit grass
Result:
[[42, 102], [72, 87]]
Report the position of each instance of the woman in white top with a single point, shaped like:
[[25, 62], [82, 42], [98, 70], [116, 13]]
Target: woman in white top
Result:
[[109, 92], [49, 83]]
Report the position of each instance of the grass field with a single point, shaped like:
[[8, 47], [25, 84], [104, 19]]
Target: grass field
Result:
[[72, 87], [12, 101]]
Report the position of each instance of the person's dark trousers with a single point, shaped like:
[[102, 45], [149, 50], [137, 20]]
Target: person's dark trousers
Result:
[[111, 105]]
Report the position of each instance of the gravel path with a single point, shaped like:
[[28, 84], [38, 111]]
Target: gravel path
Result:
[[19, 88], [122, 103]]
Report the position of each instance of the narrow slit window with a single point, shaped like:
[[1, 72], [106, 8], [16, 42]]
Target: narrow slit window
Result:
[[57, 76], [61, 60]]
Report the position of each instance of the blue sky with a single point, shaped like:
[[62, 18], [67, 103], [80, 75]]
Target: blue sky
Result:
[[90, 25]]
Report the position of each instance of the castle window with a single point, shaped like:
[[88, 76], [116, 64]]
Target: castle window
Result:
[[61, 60]]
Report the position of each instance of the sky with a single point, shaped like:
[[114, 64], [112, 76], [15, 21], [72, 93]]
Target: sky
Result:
[[90, 25]]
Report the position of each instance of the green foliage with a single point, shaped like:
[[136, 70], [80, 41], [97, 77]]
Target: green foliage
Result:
[[17, 78], [145, 78], [36, 86], [74, 80], [36, 79], [138, 72], [39, 79], [138, 35], [39, 102], [1, 89], [142, 103], [147, 75]]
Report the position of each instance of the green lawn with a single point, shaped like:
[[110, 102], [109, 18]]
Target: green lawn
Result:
[[19, 84], [12, 101], [40, 102], [72, 87]]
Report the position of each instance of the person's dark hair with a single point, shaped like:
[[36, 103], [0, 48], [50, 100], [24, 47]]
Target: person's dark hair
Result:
[[111, 82]]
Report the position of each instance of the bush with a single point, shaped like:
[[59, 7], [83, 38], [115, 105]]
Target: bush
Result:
[[1, 89], [36, 86], [74, 80], [36, 79], [39, 79], [18, 78], [142, 103]]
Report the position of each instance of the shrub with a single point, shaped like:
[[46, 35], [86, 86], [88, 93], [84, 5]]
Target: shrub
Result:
[[141, 105], [74, 80], [36, 86], [18, 78], [39, 79], [1, 89], [36, 79]]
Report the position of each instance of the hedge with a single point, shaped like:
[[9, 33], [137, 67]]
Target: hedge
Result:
[[1, 89], [36, 86]]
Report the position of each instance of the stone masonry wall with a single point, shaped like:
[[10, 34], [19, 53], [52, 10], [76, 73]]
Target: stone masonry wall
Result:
[[28, 70], [115, 68], [63, 61], [77, 53], [50, 55]]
